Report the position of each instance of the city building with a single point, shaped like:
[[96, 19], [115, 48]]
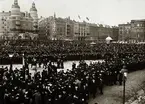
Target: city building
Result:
[[81, 30], [124, 32], [94, 33], [44, 28], [133, 31], [104, 31], [138, 30], [99, 32], [69, 29], [66, 29], [115, 33], [59, 29], [56, 28], [15, 22]]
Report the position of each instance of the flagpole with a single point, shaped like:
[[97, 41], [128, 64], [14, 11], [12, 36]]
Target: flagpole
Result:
[[86, 22], [79, 37], [86, 27], [79, 26]]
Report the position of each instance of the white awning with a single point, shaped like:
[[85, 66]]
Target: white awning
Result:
[[109, 38]]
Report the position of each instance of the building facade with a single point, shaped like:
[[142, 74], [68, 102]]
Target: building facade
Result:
[[44, 28], [133, 31], [115, 33], [104, 31], [94, 33], [138, 30], [81, 30], [14, 22], [125, 32], [56, 28], [69, 29], [66, 29], [99, 32]]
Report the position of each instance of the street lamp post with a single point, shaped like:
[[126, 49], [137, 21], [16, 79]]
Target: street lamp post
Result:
[[124, 71], [11, 65], [23, 59]]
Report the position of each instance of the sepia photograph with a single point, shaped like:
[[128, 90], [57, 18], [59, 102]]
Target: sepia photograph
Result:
[[72, 51]]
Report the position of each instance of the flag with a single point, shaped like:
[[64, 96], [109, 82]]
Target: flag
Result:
[[79, 17], [87, 18]]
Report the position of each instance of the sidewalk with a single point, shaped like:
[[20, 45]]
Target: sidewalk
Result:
[[113, 94]]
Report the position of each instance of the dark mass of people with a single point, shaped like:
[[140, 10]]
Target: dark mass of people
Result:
[[77, 84]]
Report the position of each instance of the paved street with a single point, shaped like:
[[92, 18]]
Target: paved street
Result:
[[67, 65], [113, 94]]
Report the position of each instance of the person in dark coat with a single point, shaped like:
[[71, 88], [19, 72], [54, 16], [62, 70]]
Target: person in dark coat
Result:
[[37, 97], [62, 63], [73, 66], [58, 63], [120, 78], [101, 85]]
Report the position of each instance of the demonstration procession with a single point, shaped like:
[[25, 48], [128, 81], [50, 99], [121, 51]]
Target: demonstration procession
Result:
[[77, 84], [64, 58]]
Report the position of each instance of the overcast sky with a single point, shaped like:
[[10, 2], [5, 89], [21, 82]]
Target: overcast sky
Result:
[[110, 12]]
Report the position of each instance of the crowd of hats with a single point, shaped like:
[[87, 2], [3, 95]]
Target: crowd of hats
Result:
[[52, 87], [56, 48], [74, 86]]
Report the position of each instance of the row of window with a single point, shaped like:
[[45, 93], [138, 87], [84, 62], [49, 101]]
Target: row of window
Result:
[[121, 32], [138, 25], [133, 25]]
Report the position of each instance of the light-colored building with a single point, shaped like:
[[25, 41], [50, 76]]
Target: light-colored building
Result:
[[66, 29], [56, 28], [81, 30], [14, 22]]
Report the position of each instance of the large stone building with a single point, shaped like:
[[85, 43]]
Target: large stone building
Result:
[[14, 22], [115, 33], [69, 28], [56, 28], [44, 28], [65, 28], [100, 32], [124, 32], [104, 31], [133, 31], [81, 30], [94, 32], [138, 30]]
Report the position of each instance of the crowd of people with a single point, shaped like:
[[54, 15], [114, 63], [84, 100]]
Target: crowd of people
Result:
[[54, 48], [52, 87], [74, 86]]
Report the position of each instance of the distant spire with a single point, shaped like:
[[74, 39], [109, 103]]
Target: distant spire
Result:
[[33, 5], [33, 8], [54, 15], [15, 1], [15, 5]]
